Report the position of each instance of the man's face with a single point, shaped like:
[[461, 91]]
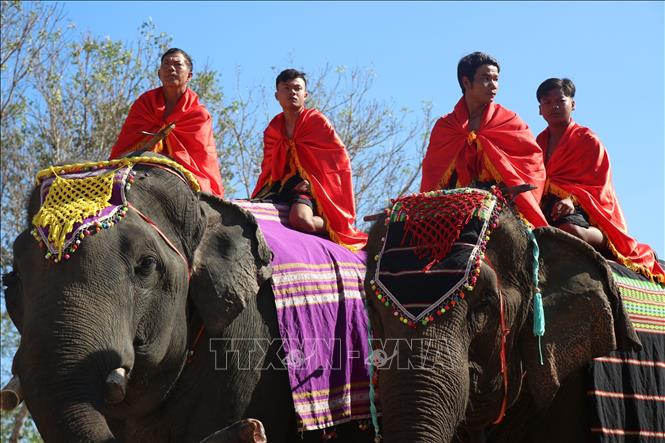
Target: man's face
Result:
[[291, 94], [174, 71], [555, 107], [485, 84]]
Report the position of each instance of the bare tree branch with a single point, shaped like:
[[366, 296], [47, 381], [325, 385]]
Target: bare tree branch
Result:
[[19, 420]]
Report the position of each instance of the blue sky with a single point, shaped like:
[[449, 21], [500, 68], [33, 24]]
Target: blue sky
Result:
[[613, 51]]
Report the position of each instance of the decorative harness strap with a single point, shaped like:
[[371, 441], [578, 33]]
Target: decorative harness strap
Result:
[[164, 237], [502, 352], [538, 323], [502, 356], [199, 334]]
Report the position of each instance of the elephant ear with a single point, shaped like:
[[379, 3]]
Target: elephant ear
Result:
[[584, 315], [11, 286], [231, 262]]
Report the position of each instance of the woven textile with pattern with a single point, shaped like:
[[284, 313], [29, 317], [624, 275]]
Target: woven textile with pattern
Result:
[[318, 288]]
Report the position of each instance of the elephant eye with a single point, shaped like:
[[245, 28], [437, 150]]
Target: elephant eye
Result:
[[146, 266]]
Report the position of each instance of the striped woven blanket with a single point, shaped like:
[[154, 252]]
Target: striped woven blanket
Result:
[[318, 287], [628, 388]]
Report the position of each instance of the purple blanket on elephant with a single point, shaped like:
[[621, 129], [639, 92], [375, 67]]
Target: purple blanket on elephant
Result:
[[318, 287]]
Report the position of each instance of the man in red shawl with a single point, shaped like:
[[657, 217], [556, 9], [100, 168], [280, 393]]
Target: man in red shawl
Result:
[[191, 143], [481, 142], [305, 164], [579, 195]]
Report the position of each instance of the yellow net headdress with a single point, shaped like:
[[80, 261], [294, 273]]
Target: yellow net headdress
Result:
[[82, 199]]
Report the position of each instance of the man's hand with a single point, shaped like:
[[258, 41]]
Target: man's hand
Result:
[[562, 208]]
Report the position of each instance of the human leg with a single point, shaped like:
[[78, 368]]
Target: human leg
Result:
[[591, 235], [302, 218]]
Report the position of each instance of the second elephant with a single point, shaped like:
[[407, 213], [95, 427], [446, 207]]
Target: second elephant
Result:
[[448, 380]]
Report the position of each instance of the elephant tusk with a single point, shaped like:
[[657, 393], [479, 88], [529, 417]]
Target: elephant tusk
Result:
[[11, 395], [116, 386]]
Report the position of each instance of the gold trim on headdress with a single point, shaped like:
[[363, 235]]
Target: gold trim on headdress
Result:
[[118, 163]]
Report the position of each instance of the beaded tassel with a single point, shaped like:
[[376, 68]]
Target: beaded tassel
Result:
[[538, 311]]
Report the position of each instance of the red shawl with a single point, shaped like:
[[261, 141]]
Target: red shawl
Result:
[[321, 158], [580, 167], [191, 143], [503, 145]]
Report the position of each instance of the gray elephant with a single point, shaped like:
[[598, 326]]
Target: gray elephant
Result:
[[449, 380], [111, 345]]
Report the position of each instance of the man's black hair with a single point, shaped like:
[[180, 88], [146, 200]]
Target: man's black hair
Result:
[[469, 64], [188, 59], [288, 75], [565, 84]]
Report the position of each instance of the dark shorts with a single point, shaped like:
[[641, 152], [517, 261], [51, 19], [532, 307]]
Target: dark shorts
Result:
[[577, 218], [304, 199]]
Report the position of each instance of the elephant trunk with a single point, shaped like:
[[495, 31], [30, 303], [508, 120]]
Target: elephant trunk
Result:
[[426, 402], [67, 410], [63, 370]]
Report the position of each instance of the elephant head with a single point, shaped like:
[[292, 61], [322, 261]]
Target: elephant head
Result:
[[105, 334], [453, 376]]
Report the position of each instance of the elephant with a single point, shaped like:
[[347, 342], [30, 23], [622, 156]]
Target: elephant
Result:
[[446, 382], [116, 341]]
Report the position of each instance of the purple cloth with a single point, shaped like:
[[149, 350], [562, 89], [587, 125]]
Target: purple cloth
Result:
[[318, 287]]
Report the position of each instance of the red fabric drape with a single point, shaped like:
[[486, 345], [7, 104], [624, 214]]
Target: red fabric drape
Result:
[[580, 167], [503, 144], [191, 143], [321, 158]]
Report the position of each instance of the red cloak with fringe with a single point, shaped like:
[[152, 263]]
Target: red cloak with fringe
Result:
[[319, 156], [580, 167], [191, 143], [503, 149]]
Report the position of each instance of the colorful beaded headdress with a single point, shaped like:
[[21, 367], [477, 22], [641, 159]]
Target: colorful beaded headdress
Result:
[[81, 199], [432, 250]]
